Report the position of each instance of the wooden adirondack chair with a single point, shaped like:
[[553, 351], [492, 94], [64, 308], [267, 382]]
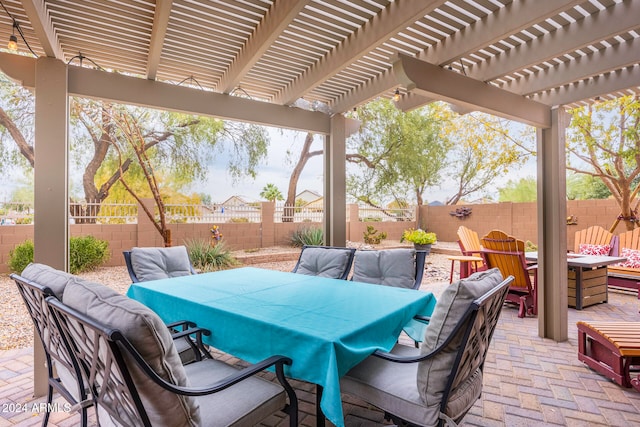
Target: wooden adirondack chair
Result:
[[469, 243], [507, 254], [626, 275], [594, 235]]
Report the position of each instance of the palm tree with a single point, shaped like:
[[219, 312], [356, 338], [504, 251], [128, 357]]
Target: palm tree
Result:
[[271, 193]]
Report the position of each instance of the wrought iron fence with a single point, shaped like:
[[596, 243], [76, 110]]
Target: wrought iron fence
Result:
[[368, 214], [216, 213], [307, 213]]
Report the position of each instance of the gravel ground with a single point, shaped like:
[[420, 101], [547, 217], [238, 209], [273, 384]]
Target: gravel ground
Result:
[[16, 329]]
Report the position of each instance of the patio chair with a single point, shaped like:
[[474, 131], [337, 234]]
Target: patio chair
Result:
[[507, 254], [595, 240], [135, 373], [64, 375], [626, 275], [439, 383], [325, 261], [401, 268], [144, 264], [154, 263], [469, 243]]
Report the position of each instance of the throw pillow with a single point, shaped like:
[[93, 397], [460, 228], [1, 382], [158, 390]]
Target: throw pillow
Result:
[[598, 250], [632, 256]]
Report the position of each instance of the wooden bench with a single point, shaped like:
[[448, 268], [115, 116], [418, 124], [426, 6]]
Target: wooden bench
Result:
[[611, 349], [624, 277]]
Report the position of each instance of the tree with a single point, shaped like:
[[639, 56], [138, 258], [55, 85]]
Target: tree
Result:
[[483, 151], [182, 145], [271, 193], [584, 187], [523, 190], [396, 155], [603, 141], [305, 155]]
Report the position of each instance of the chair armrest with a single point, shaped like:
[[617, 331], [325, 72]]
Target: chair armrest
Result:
[[532, 267], [183, 323], [277, 361], [195, 343]]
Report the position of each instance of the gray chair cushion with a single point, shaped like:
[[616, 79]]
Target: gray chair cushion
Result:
[[57, 280], [391, 387], [151, 338], [247, 403], [451, 306], [47, 276], [390, 267], [323, 262], [160, 263]]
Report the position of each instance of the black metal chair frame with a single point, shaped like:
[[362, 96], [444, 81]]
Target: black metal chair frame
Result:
[[34, 296], [351, 251], [477, 331], [132, 274], [111, 382]]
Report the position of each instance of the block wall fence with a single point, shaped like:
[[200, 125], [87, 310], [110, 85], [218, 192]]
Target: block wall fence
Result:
[[517, 219]]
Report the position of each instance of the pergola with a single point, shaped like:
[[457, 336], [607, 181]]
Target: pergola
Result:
[[301, 64]]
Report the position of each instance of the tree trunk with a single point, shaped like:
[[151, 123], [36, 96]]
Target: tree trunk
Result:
[[305, 155]]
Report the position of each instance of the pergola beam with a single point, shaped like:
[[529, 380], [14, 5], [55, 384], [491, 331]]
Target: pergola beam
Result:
[[395, 18], [41, 23], [275, 21], [568, 39], [85, 82], [618, 56], [435, 82], [627, 80], [158, 33], [512, 18]]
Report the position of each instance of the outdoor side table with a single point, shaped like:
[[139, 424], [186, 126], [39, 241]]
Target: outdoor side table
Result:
[[467, 265]]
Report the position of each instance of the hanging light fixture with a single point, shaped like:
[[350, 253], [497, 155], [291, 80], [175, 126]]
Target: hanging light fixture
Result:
[[396, 95], [13, 40]]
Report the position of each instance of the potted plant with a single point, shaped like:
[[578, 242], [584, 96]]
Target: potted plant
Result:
[[422, 240]]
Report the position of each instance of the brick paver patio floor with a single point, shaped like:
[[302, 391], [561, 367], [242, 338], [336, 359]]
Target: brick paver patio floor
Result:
[[528, 381]]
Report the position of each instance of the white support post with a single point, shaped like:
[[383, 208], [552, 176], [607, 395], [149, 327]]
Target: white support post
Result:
[[335, 202], [552, 229], [51, 205]]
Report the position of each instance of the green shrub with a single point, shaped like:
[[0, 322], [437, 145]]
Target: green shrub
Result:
[[205, 257], [85, 253], [21, 256], [372, 236], [307, 236]]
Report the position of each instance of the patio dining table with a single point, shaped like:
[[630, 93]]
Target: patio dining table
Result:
[[326, 326]]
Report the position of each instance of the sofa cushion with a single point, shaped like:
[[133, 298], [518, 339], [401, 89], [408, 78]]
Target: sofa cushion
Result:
[[145, 330], [598, 250], [449, 310], [160, 263], [323, 262], [44, 275], [391, 267]]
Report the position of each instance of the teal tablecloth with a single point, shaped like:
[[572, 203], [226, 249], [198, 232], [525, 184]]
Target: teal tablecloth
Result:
[[325, 326]]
